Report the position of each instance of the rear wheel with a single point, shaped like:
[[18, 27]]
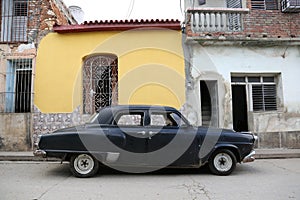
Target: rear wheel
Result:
[[222, 162], [83, 165]]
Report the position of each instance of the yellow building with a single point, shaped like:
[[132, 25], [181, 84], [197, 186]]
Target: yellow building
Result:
[[82, 68]]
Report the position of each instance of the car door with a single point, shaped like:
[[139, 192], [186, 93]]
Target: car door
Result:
[[131, 126], [169, 135]]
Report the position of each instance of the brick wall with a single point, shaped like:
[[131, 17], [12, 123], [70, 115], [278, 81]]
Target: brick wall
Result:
[[42, 16], [271, 24], [16, 128], [259, 24], [50, 12]]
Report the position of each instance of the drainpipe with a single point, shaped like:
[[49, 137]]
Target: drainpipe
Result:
[[187, 60], [190, 108]]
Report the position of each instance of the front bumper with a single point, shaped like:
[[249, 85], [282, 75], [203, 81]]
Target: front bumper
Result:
[[40, 153], [250, 157]]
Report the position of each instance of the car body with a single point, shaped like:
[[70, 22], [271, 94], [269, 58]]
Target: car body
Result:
[[145, 137]]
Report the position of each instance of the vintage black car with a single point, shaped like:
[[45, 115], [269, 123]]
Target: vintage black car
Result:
[[138, 138]]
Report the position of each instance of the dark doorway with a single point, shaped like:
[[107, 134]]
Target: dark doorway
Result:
[[239, 108], [23, 91], [209, 103], [205, 104]]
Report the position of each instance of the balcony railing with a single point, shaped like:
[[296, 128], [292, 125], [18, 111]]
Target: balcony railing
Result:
[[216, 19]]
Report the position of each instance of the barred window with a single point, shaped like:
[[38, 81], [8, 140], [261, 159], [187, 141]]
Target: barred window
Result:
[[261, 89], [100, 78], [18, 86], [264, 4], [14, 20]]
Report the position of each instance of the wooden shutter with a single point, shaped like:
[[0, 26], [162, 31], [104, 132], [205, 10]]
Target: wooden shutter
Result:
[[234, 4], [264, 97]]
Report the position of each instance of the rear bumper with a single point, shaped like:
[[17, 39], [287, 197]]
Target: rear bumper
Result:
[[250, 157], [40, 153]]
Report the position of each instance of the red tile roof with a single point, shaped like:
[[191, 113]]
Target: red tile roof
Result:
[[118, 25]]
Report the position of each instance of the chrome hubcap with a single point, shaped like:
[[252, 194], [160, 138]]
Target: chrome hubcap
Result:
[[84, 164], [223, 162]]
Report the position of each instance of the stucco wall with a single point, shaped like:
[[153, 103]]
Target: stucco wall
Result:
[[223, 61], [150, 67], [283, 60]]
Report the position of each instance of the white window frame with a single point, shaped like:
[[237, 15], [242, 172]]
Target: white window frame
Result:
[[249, 85], [13, 67]]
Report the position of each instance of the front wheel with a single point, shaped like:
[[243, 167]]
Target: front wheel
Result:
[[83, 165], [222, 162]]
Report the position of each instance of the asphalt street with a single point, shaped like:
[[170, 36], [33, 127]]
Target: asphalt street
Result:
[[262, 179]]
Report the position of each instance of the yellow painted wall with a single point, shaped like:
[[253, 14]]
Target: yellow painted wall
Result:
[[150, 67]]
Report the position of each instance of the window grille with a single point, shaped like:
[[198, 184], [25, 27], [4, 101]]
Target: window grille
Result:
[[100, 78], [261, 89], [18, 87], [14, 20], [264, 4]]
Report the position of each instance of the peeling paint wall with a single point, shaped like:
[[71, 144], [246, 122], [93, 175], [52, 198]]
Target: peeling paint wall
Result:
[[16, 128], [279, 128], [15, 132]]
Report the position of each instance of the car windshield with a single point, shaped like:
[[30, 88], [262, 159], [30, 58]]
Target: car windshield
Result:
[[93, 119]]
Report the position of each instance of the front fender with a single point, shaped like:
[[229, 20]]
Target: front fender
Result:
[[235, 150]]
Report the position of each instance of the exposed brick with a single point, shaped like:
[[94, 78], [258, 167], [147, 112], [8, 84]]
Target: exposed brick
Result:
[[258, 23]]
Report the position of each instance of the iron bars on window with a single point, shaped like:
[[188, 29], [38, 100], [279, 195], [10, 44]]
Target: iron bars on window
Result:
[[100, 78], [17, 96]]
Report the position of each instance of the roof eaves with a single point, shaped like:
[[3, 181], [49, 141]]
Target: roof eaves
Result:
[[110, 25]]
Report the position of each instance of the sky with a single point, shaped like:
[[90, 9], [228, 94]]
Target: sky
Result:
[[128, 9]]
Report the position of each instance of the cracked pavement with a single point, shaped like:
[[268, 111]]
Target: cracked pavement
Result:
[[262, 179]]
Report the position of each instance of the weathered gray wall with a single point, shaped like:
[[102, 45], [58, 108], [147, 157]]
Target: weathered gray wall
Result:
[[15, 131], [279, 128]]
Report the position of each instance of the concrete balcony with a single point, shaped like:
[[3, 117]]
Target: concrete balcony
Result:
[[241, 26], [201, 20]]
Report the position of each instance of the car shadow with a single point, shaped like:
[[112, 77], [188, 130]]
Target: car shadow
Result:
[[105, 170], [63, 170], [59, 170]]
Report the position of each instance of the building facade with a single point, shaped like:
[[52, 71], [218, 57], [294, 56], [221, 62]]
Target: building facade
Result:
[[82, 68], [23, 24], [242, 63]]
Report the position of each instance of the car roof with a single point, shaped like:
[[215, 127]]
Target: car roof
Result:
[[140, 107], [106, 114]]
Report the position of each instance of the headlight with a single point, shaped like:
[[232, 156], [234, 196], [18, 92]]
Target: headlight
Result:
[[255, 137]]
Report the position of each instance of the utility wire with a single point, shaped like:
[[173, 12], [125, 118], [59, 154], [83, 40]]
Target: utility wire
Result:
[[181, 9], [130, 8]]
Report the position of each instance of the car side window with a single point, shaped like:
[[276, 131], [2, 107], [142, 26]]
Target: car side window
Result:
[[130, 119], [162, 119]]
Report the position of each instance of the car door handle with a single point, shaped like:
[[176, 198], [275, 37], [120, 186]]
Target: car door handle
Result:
[[141, 132], [152, 133]]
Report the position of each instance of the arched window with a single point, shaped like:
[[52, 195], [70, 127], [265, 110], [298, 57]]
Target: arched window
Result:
[[100, 82]]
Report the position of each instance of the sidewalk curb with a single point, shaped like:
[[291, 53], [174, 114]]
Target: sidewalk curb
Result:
[[277, 153], [260, 154], [23, 156]]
